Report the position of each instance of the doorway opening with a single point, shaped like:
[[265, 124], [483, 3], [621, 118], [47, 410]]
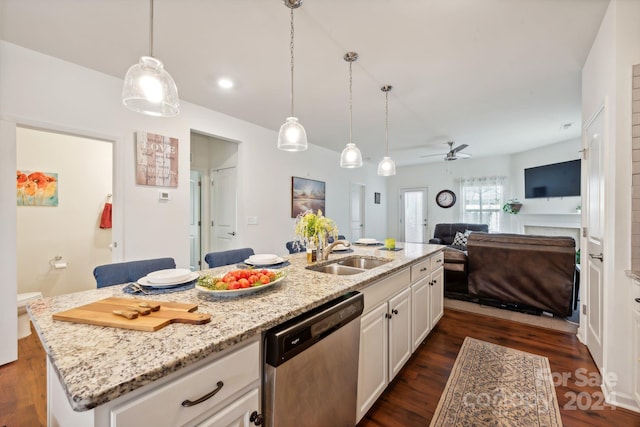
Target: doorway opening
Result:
[[60, 242], [213, 213]]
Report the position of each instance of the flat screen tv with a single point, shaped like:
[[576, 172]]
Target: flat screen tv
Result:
[[554, 180]]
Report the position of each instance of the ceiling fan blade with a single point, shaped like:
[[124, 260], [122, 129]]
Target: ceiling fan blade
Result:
[[459, 148], [434, 155], [463, 156]]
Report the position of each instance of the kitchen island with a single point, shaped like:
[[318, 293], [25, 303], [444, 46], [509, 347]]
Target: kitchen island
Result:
[[92, 368]]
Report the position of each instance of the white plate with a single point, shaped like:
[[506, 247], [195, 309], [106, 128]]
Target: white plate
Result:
[[278, 260], [238, 292], [263, 258], [144, 281], [170, 275], [367, 241]]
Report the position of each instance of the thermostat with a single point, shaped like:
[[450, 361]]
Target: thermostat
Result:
[[164, 195]]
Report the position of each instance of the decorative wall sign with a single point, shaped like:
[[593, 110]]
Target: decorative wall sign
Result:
[[306, 194], [376, 198], [36, 188], [156, 160]]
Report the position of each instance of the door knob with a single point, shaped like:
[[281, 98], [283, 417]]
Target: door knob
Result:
[[233, 233], [592, 256]]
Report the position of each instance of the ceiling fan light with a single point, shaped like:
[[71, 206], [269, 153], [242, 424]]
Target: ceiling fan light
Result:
[[386, 167], [351, 157], [292, 136], [149, 89]]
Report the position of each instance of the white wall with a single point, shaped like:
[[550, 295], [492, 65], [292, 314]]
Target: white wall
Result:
[[554, 153], [606, 78], [45, 92], [440, 176], [71, 229]]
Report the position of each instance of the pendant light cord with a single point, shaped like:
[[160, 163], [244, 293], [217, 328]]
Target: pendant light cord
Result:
[[350, 101], [151, 30], [386, 114], [291, 49]]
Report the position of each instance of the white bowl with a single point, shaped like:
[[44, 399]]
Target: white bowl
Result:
[[169, 275], [263, 258], [367, 241]]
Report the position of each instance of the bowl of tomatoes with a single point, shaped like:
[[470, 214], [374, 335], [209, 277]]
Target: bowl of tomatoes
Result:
[[240, 282]]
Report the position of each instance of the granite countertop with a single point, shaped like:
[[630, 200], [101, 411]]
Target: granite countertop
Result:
[[97, 364]]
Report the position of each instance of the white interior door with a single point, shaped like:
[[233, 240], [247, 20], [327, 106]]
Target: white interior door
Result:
[[413, 215], [195, 221], [357, 211], [594, 225], [223, 208]]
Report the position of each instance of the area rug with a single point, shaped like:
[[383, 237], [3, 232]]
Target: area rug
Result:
[[492, 385]]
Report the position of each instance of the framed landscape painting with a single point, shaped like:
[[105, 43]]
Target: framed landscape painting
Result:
[[306, 194]]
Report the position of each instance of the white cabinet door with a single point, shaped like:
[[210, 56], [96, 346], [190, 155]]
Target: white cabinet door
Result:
[[420, 311], [237, 414], [437, 296], [373, 362], [635, 333], [400, 348]]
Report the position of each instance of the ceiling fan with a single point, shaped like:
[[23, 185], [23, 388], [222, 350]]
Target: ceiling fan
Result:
[[454, 153]]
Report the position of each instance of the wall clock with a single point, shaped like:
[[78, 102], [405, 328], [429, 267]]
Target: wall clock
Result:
[[446, 198]]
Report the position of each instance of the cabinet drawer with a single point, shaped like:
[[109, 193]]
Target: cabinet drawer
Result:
[[163, 406], [420, 270], [383, 289], [437, 261]]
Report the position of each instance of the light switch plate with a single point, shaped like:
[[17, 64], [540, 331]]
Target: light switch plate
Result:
[[252, 220]]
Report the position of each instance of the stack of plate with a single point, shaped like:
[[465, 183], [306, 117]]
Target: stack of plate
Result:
[[366, 241], [264, 259], [167, 278]]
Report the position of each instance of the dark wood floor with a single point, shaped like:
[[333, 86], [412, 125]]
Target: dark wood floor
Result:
[[410, 400]]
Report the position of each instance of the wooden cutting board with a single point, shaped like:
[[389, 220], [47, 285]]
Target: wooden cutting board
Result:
[[162, 313]]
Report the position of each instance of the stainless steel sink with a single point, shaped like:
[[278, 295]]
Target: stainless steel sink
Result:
[[334, 268], [362, 262], [349, 265]]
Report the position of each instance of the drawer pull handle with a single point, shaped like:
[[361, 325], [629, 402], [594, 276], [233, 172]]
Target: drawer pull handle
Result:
[[423, 269], [188, 403], [256, 418], [637, 299], [438, 260], [394, 311]]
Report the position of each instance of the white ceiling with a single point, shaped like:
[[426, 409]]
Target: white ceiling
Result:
[[502, 76]]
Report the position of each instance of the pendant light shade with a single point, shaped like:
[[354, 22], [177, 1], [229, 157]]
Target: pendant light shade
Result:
[[351, 156], [292, 136], [386, 167], [148, 87]]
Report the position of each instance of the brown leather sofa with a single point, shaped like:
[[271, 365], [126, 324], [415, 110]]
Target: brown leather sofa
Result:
[[522, 270]]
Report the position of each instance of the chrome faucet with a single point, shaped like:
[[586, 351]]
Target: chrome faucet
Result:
[[327, 250]]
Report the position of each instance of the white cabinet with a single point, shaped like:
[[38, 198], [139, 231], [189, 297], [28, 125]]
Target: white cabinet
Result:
[[223, 390], [385, 337], [400, 348], [427, 296]]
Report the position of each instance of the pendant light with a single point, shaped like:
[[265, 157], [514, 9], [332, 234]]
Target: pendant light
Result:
[[351, 156], [386, 167], [148, 88], [292, 136]]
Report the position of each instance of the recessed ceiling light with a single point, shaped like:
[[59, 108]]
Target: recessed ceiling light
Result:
[[225, 83]]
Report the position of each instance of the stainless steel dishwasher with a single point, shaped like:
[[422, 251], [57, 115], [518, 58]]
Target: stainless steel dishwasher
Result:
[[311, 366]]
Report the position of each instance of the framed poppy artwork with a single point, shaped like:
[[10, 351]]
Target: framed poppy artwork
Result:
[[36, 188]]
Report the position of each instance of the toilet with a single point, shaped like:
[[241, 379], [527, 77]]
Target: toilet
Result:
[[24, 324]]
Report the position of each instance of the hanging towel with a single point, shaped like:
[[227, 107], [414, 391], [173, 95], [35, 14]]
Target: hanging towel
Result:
[[105, 220]]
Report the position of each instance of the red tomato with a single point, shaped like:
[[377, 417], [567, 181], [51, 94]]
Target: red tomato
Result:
[[252, 279], [228, 278], [271, 275], [264, 279], [234, 285], [244, 283], [263, 272]]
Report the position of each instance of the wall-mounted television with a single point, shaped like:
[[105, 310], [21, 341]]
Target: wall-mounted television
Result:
[[554, 180]]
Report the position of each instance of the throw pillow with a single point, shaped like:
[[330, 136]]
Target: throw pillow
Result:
[[460, 239]]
